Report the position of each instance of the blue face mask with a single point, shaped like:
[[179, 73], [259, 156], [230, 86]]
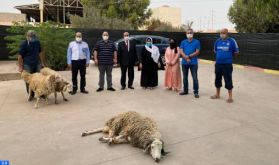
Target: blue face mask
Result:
[[32, 39], [149, 44]]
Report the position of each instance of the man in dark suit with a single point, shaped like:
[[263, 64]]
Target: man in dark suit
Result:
[[127, 58]]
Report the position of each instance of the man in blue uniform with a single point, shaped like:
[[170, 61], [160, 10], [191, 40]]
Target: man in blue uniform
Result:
[[225, 48], [190, 49]]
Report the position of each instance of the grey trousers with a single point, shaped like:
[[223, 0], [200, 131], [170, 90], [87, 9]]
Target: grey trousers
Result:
[[105, 69]]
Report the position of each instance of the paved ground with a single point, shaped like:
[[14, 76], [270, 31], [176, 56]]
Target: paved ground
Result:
[[196, 131]]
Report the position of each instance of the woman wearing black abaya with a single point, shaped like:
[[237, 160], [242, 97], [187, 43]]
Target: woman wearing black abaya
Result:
[[149, 63]]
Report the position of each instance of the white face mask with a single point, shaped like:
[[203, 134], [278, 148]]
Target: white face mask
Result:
[[78, 39], [105, 38], [190, 36], [126, 38], [223, 36]]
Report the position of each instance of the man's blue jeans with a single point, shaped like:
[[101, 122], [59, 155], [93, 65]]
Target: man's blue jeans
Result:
[[194, 73]]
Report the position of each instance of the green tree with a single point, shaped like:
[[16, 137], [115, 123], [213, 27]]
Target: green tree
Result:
[[135, 12], [254, 15], [92, 18], [54, 40]]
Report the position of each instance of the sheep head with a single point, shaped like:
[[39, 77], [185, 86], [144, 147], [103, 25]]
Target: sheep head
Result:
[[155, 147], [26, 76], [67, 86]]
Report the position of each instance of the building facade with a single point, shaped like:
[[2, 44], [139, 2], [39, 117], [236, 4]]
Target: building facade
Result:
[[169, 14]]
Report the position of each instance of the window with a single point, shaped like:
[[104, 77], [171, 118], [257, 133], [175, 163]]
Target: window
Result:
[[140, 40], [157, 41]]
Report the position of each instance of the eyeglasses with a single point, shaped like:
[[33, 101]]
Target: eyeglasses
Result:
[[126, 35], [189, 33]]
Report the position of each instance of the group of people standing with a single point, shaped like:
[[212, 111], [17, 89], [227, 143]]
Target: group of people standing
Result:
[[106, 54]]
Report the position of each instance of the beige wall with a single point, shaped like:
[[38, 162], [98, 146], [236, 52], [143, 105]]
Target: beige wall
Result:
[[9, 18], [168, 14]]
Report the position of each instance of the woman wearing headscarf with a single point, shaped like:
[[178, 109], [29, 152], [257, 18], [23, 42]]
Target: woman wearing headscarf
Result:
[[149, 63], [172, 72]]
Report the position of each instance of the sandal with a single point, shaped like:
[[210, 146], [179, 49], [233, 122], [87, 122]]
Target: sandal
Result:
[[230, 101], [215, 97]]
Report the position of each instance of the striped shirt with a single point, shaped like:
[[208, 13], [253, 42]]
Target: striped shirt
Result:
[[105, 52]]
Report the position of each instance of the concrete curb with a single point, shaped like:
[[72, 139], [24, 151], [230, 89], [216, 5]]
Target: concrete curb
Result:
[[9, 76]]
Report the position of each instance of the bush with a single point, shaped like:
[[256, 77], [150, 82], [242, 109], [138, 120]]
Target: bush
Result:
[[54, 40]]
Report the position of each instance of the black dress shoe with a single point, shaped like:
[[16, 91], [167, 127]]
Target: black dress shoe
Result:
[[131, 87], [84, 91], [123, 88], [183, 93], [73, 92], [111, 89], [197, 96], [99, 89]]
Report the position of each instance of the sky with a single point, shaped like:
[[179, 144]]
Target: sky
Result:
[[198, 11]]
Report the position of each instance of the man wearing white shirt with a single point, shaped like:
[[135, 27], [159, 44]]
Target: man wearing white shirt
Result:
[[78, 58]]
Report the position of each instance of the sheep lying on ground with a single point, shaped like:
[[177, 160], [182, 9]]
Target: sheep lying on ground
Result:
[[40, 84], [61, 84], [131, 127]]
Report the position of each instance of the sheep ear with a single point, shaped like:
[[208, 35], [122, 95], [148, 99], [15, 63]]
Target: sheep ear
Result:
[[147, 149], [164, 153]]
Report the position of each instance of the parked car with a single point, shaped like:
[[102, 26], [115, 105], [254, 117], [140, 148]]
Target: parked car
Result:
[[161, 42]]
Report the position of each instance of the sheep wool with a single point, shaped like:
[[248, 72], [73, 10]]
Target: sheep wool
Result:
[[138, 128], [61, 84], [38, 83]]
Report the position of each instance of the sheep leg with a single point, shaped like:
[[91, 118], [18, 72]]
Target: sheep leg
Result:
[[46, 100], [37, 102], [55, 98], [108, 139], [119, 140], [111, 134], [30, 94], [98, 130], [64, 98]]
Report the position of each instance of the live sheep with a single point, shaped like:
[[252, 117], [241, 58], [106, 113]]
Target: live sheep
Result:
[[61, 84], [40, 84]]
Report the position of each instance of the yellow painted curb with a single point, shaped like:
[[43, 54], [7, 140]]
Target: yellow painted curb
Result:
[[239, 66], [269, 71], [207, 61]]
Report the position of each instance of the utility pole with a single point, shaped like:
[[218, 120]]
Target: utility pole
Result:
[[200, 24], [41, 7], [212, 19], [208, 25]]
